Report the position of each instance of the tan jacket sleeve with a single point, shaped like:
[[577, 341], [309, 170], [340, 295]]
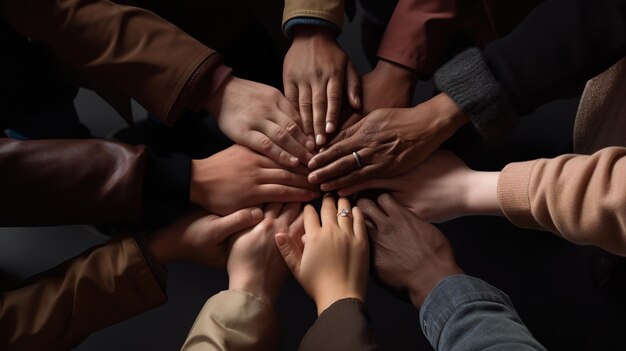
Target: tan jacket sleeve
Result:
[[580, 197], [329, 10], [234, 320], [61, 307], [132, 49]]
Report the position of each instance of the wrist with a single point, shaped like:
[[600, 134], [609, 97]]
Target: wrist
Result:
[[310, 32], [330, 296], [482, 194], [256, 285], [396, 72], [200, 181], [452, 118], [213, 105], [424, 282]]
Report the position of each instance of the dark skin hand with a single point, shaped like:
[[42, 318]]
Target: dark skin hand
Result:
[[410, 256], [389, 142]]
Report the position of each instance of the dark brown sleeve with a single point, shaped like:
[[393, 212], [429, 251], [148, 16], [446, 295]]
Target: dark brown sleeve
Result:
[[419, 32], [132, 49], [49, 182], [61, 307], [342, 326]]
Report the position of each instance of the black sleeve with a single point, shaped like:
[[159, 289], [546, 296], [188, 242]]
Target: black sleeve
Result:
[[562, 43]]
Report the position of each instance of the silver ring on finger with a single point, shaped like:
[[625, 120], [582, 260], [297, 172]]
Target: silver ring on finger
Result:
[[357, 158], [343, 213]]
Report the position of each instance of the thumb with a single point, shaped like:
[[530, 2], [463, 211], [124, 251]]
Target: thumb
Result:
[[353, 85], [290, 252], [237, 221]]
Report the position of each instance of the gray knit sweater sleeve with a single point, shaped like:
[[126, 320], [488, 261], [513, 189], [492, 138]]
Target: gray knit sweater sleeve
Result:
[[469, 82]]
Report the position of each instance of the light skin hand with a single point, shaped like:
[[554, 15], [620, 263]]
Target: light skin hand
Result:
[[390, 142], [239, 177], [331, 260], [315, 72], [200, 237], [441, 188], [254, 263], [411, 256], [259, 117]]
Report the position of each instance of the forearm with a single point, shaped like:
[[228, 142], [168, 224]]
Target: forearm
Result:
[[579, 197], [463, 312], [52, 182], [133, 50], [234, 320], [61, 307]]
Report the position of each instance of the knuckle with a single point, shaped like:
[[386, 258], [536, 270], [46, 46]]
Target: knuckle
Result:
[[266, 144], [291, 127], [338, 150], [318, 71], [282, 135]]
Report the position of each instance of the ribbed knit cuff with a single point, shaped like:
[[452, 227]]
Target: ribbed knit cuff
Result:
[[514, 196], [469, 82], [290, 25]]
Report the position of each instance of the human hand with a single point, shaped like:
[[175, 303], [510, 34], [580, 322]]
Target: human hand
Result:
[[239, 177], [259, 117], [410, 256], [314, 72], [389, 142], [254, 263], [441, 188], [200, 237], [330, 261]]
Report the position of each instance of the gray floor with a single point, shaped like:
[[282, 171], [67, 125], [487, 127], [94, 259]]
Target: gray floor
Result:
[[547, 278]]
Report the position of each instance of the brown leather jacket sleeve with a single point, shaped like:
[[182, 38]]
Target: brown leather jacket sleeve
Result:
[[133, 50], [580, 197], [342, 326], [420, 31], [61, 307], [50, 182]]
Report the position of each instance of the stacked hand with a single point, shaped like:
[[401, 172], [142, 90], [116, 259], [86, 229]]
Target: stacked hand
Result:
[[410, 256], [387, 143], [441, 188], [259, 117], [239, 177], [315, 72], [331, 260], [254, 262]]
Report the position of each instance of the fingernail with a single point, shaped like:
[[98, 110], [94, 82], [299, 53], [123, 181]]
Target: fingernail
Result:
[[312, 164], [310, 145], [330, 127], [357, 101], [293, 160], [325, 187], [280, 240], [319, 139], [257, 213], [313, 178]]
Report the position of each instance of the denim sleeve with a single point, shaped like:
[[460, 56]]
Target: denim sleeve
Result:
[[465, 313]]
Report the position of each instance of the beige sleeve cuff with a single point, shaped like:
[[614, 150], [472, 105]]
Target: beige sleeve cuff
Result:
[[514, 195], [329, 10], [234, 320]]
